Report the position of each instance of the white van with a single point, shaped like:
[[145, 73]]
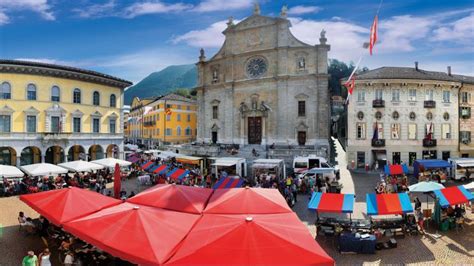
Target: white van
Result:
[[303, 163], [461, 168]]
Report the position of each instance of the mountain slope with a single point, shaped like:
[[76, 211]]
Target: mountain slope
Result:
[[162, 82]]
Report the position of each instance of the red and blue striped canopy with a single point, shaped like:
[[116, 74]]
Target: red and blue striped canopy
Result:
[[453, 196], [396, 169], [177, 173], [160, 169], [228, 182], [332, 202], [146, 164], [393, 203]]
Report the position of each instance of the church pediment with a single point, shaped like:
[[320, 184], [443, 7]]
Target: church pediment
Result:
[[77, 113], [96, 114], [215, 102], [214, 127], [302, 126], [301, 96], [56, 108], [254, 22]]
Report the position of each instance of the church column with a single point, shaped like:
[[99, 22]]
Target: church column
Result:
[[242, 130], [264, 131]]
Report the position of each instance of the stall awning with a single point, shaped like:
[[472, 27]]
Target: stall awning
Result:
[[228, 182], [133, 159], [332, 202], [177, 173], [160, 169], [264, 166], [396, 169], [394, 203], [466, 164], [146, 164], [152, 168], [453, 195], [223, 163]]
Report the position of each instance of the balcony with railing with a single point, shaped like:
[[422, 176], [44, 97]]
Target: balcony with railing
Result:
[[378, 103], [149, 123], [378, 142], [429, 104], [429, 143]]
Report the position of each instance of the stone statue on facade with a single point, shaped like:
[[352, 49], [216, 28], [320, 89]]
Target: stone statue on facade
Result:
[[301, 63], [256, 10], [322, 37], [243, 109], [202, 56], [284, 11]]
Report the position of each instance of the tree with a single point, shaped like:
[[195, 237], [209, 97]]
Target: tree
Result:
[[338, 70]]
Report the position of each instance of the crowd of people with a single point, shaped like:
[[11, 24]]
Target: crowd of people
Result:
[[392, 184], [95, 181]]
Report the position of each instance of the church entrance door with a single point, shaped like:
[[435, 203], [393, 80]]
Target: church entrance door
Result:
[[214, 137], [255, 130], [301, 138]]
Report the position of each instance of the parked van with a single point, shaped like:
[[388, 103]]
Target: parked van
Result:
[[303, 163], [461, 168]]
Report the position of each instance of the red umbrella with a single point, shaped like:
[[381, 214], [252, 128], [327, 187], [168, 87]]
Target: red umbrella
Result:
[[174, 197], [247, 200], [63, 205], [270, 239], [117, 181], [139, 234]]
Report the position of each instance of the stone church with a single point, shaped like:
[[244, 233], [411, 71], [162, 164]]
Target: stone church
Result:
[[264, 86]]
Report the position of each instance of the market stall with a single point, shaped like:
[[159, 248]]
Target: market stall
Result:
[[111, 162], [81, 166], [191, 162], [331, 202], [43, 169], [229, 166], [268, 168], [8, 171], [228, 182], [446, 216], [177, 173], [431, 170]]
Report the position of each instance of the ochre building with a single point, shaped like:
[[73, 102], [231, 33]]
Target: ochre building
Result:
[[51, 113], [169, 119]]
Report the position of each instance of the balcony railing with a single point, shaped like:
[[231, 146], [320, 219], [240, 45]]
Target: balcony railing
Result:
[[149, 124], [378, 103], [429, 143], [378, 143], [429, 104]]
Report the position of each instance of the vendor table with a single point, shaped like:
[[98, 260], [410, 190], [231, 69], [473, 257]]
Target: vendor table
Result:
[[348, 242]]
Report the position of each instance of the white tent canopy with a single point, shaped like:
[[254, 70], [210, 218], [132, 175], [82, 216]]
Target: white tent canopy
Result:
[[110, 162], [43, 169], [81, 166], [10, 171], [470, 185]]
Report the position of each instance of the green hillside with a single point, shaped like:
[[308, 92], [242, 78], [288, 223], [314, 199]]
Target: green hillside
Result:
[[163, 82]]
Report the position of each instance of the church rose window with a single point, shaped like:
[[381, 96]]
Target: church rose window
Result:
[[256, 67]]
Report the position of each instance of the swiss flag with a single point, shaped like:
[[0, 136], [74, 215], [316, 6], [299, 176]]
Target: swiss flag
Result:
[[350, 85], [373, 34]]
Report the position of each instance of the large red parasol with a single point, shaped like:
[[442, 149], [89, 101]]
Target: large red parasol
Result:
[[117, 181], [139, 234], [63, 205], [247, 201], [174, 197], [270, 239]]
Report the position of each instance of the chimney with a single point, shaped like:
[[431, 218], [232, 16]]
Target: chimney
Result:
[[416, 65], [449, 70]]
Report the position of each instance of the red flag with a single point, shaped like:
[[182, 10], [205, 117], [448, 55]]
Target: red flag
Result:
[[117, 181], [350, 85], [373, 34]]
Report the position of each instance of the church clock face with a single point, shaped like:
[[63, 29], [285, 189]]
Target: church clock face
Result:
[[256, 67]]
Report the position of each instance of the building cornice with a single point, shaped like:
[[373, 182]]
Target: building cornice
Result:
[[51, 70]]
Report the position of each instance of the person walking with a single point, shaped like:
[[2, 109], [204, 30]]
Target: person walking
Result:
[[30, 259], [421, 220], [44, 258], [417, 203]]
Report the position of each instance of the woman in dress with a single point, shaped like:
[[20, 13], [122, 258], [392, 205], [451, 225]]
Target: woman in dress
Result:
[[44, 258]]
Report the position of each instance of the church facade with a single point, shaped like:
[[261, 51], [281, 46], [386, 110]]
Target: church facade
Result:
[[264, 87]]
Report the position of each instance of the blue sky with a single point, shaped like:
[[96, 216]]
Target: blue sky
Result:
[[131, 39]]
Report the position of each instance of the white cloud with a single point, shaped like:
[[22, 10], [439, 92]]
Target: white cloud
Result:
[[96, 10], [300, 10], [345, 38], [210, 37], [4, 19], [225, 5], [153, 7], [39, 6], [460, 31], [399, 32], [49, 61]]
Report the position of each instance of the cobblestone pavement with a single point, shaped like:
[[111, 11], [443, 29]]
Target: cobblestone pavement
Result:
[[452, 248]]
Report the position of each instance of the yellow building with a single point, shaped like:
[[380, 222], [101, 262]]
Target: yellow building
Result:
[[51, 113], [169, 119]]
